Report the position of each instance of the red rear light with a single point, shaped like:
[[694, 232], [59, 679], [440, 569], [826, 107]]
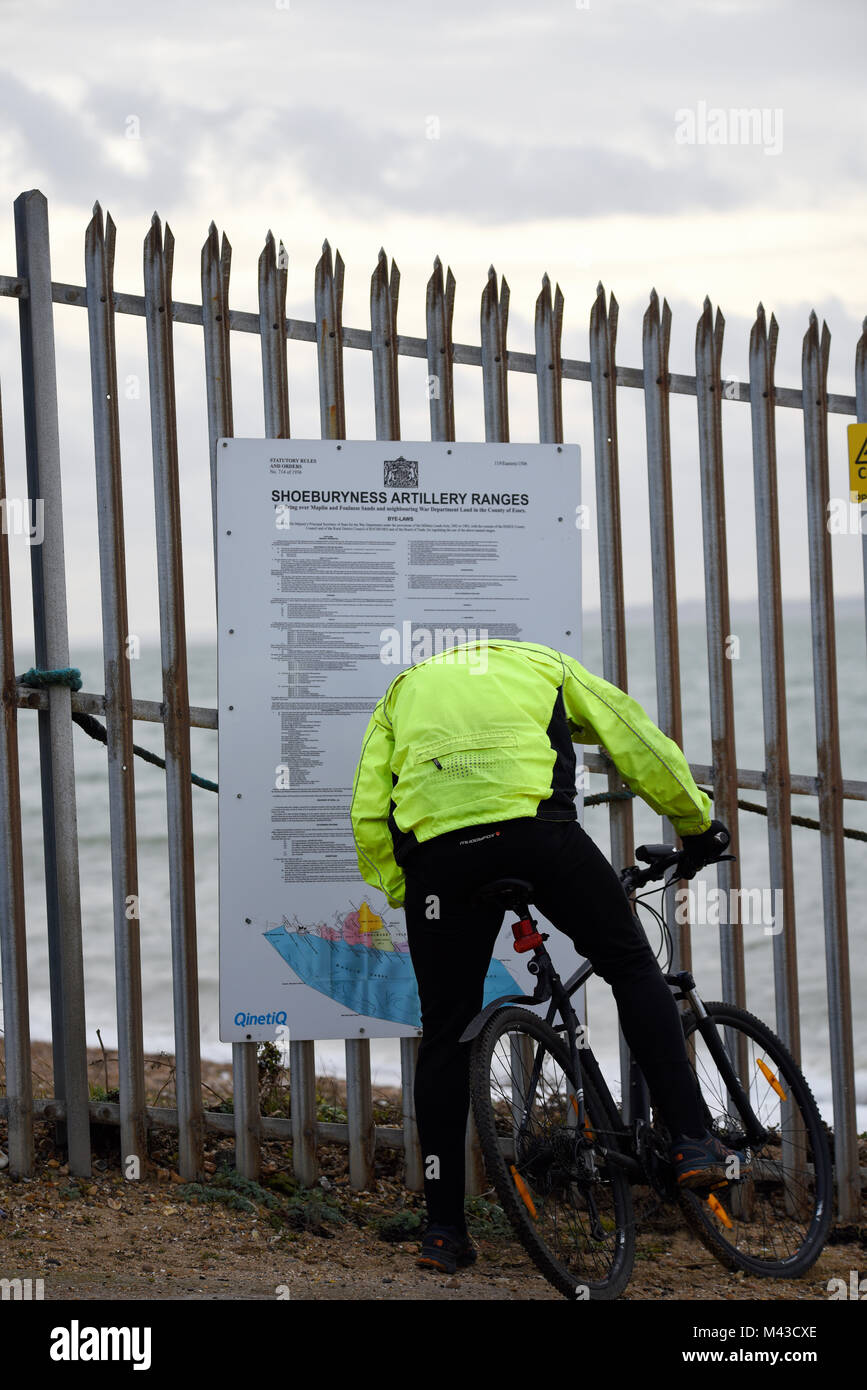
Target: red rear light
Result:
[[525, 934]]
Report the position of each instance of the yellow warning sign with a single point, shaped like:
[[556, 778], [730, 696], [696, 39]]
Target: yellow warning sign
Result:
[[858, 463]]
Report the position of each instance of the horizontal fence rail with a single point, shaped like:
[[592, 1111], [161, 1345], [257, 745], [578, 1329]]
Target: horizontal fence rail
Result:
[[57, 707], [463, 354], [202, 717]]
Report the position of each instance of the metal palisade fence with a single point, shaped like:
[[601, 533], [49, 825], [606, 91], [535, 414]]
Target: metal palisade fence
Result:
[[36, 294]]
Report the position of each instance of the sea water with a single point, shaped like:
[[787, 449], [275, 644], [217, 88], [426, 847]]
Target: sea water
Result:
[[94, 844]]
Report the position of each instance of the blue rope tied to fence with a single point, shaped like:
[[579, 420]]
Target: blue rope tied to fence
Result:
[[71, 676], [65, 675]]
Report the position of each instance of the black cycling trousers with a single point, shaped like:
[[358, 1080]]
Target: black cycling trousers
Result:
[[577, 889]]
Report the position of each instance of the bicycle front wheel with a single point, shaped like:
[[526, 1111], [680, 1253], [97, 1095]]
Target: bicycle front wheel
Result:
[[570, 1207], [775, 1220]]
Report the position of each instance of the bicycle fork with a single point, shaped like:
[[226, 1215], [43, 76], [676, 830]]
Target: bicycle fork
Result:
[[755, 1133]]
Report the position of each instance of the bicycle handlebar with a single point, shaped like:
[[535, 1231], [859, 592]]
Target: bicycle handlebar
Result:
[[633, 877]]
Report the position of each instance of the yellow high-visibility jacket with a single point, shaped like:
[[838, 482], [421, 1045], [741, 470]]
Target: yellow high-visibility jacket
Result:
[[484, 732]]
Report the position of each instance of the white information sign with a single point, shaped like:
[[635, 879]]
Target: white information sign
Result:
[[340, 564]]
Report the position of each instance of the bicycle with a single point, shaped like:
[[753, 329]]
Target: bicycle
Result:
[[563, 1163]]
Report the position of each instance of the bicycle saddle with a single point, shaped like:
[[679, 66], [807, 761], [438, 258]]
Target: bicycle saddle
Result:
[[505, 893]]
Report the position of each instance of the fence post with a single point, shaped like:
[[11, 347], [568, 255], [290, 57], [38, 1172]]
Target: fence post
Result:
[[549, 397], [99, 246], [814, 370], [861, 415], [549, 364], [495, 378], [359, 1110], [439, 316], [216, 265], [383, 347], [763, 347], [59, 820], [273, 279], [302, 1080], [656, 336], [328, 292], [708, 386], [13, 939], [158, 259], [494, 319], [384, 290], [414, 1168], [603, 381], [439, 313]]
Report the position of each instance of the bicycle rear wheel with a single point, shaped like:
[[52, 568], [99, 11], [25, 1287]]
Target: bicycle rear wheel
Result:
[[775, 1221], [571, 1208]]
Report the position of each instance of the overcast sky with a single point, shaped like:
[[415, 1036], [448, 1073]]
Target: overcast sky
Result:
[[579, 140]]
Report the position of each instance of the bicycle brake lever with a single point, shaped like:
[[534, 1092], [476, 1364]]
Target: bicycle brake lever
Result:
[[685, 872]]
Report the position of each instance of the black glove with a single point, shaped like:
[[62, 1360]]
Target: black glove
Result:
[[705, 848]]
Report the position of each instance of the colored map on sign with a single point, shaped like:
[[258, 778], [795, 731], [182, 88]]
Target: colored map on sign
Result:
[[361, 964]]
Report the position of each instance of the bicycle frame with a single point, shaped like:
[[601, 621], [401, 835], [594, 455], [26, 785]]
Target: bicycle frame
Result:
[[550, 989]]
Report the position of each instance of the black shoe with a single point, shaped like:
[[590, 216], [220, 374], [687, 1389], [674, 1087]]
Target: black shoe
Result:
[[444, 1248]]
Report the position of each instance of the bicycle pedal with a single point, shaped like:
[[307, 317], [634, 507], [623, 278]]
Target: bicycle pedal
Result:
[[701, 1187]]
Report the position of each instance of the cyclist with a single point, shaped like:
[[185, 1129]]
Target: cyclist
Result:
[[467, 774]]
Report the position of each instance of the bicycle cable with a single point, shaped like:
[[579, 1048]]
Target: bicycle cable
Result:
[[666, 941]]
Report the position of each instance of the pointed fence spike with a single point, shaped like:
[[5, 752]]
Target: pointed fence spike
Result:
[[772, 339]]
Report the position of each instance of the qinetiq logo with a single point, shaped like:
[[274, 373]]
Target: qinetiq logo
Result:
[[243, 1020]]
